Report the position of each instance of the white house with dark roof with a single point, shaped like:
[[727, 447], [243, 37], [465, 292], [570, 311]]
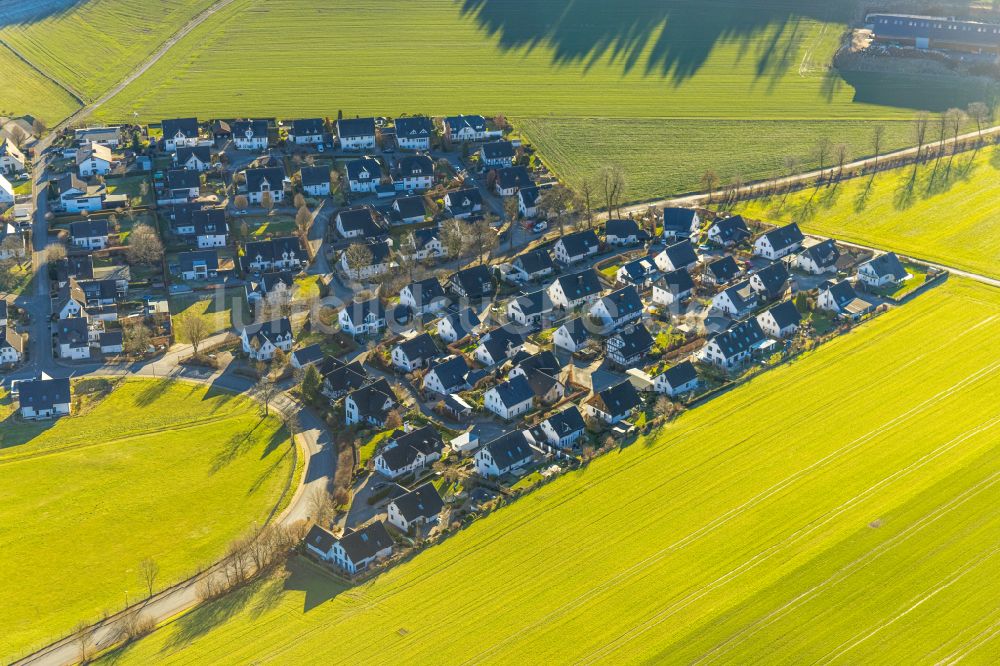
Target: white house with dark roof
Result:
[[497, 154], [465, 128], [340, 378], [882, 270], [673, 287], [736, 301], [380, 252], [498, 345], [305, 356], [510, 179], [639, 273], [779, 242], [369, 404], [572, 336], [614, 404], [44, 397], [617, 309], [250, 134], [676, 380], [527, 201], [356, 133], [307, 131], [771, 281], [564, 428], [358, 550], [629, 346], [12, 160], [209, 227], [413, 173], [504, 454], [529, 309], [262, 340], [315, 180], [198, 265], [680, 223], [193, 158], [819, 258], [464, 203], [420, 506], [7, 196], [362, 317], [273, 254], [178, 132], [414, 132], [841, 299], [320, 542], [89, 234], [447, 375], [73, 337], [732, 348], [364, 174], [780, 321], [408, 452], [359, 221], [575, 289], [11, 345], [106, 136], [408, 210], [94, 160], [510, 399], [424, 296], [473, 282], [414, 353], [457, 326], [531, 265], [729, 231], [623, 232], [265, 181], [677, 256], [721, 271], [576, 247]]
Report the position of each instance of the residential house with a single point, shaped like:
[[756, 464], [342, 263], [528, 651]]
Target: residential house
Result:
[[209, 227], [275, 254], [510, 399], [106, 136], [417, 507], [12, 160], [721, 271], [510, 179], [531, 265], [94, 160], [222, 131], [779, 242], [76, 196], [3, 312], [199, 264], [464, 203], [262, 340], [676, 380], [426, 245], [572, 336], [181, 186], [356, 133], [498, 345], [181, 218], [423, 296], [840, 298], [12, 245], [542, 370], [6, 193], [265, 182], [179, 132], [623, 232], [305, 356], [379, 263], [250, 135], [680, 223], [527, 201], [819, 258], [465, 128], [562, 429], [315, 180], [357, 550], [733, 347], [193, 158], [529, 309], [360, 221], [447, 375], [629, 346], [44, 397], [320, 543], [364, 174], [408, 210], [362, 317], [413, 173], [617, 309], [408, 452], [729, 231], [736, 301], [73, 338], [673, 287], [614, 404], [340, 378], [780, 321], [677, 256], [771, 281], [475, 282], [268, 284], [307, 131], [414, 353], [504, 454], [497, 154], [89, 234], [639, 273], [458, 326], [72, 302], [369, 404], [885, 269], [574, 289], [111, 342], [414, 132], [11, 345]]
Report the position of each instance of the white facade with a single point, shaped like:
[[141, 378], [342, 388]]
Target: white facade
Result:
[[211, 240], [492, 402]]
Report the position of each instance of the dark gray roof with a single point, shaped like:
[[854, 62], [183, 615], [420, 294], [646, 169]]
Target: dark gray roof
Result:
[[420, 346], [732, 229], [364, 168], [534, 303], [451, 371], [843, 292], [742, 295], [681, 218], [677, 282], [774, 277], [500, 340], [423, 502], [342, 376], [274, 176], [320, 539], [308, 127], [426, 291], [724, 269], [534, 261], [72, 332], [88, 228], [414, 166], [464, 200], [463, 322], [315, 175], [256, 128], [887, 264], [622, 228], [681, 254], [785, 236], [680, 374], [426, 439], [414, 127], [528, 196], [183, 179], [623, 302], [476, 281], [577, 329], [364, 543], [371, 399], [477, 123], [268, 330], [355, 127], [210, 258], [357, 311], [785, 314], [514, 176], [580, 285], [272, 248], [739, 338], [639, 269], [309, 354], [634, 341], [186, 126], [494, 150], [360, 218], [544, 360], [410, 206], [618, 399], [514, 391], [42, 394], [209, 221], [509, 449], [203, 153], [111, 338], [938, 29], [567, 421], [825, 254]]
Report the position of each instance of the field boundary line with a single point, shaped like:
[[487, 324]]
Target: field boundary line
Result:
[[59, 84]]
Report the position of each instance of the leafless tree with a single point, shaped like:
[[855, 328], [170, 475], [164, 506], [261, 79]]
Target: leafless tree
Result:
[[510, 209], [482, 237], [822, 152], [136, 336], [240, 202], [144, 245], [453, 237], [299, 200], [709, 181], [612, 185], [195, 329], [358, 257], [920, 124], [266, 390], [587, 200], [980, 112], [555, 203], [55, 252], [149, 570], [878, 133], [84, 642], [267, 202], [840, 154], [303, 220]]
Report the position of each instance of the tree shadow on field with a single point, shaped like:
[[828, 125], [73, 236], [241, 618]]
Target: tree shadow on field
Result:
[[272, 469], [674, 38], [319, 586], [207, 617], [153, 390], [237, 444], [25, 12]]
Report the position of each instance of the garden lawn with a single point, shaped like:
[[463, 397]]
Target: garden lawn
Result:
[[947, 216], [166, 470], [222, 309], [840, 508]]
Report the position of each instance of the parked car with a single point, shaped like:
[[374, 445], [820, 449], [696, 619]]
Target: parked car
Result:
[[540, 227]]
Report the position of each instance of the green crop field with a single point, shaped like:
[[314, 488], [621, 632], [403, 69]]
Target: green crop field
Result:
[[939, 213], [25, 91], [841, 508], [169, 471]]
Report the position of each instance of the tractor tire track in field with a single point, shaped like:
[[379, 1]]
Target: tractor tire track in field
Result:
[[970, 646], [728, 516], [802, 533]]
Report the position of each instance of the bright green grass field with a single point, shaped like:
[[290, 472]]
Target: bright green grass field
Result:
[[222, 310], [838, 509], [171, 471], [25, 91], [948, 216]]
